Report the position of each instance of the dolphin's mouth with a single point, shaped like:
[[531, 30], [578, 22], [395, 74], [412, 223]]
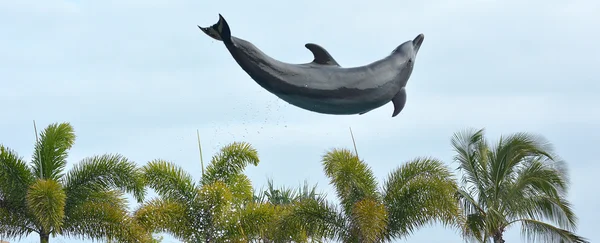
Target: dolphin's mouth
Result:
[[418, 41]]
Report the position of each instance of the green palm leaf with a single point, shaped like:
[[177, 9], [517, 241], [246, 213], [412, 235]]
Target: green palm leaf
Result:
[[100, 173], [229, 162], [318, 218], [418, 192], [169, 181], [50, 154], [371, 220], [255, 221], [241, 189], [105, 216], [160, 215], [352, 178], [16, 178], [537, 230]]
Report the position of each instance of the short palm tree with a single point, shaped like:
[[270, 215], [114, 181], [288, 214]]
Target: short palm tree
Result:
[[201, 211], [287, 195], [418, 192], [518, 180], [221, 207], [87, 201], [270, 217]]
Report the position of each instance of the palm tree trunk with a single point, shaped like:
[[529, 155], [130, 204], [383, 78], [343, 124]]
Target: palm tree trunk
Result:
[[498, 237], [44, 237]]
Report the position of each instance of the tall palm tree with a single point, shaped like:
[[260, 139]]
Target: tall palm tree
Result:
[[87, 201], [414, 194], [200, 211], [518, 180]]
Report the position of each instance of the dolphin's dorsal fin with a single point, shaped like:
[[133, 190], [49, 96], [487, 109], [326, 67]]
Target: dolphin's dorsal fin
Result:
[[321, 55]]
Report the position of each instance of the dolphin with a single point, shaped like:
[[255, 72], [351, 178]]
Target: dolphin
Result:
[[323, 86]]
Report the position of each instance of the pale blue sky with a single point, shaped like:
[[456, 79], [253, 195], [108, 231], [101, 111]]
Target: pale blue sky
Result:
[[137, 77]]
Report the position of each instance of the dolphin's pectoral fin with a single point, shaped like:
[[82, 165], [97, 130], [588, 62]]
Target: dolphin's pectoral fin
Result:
[[399, 101], [321, 55]]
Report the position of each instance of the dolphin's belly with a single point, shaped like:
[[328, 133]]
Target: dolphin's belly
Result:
[[341, 106], [361, 93], [311, 92]]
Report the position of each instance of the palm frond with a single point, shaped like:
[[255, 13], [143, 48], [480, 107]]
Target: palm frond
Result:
[[163, 215], [216, 197], [319, 219], [169, 181], [534, 230], [536, 175], [474, 228], [279, 196], [283, 222], [351, 177], [74, 215], [419, 192], [215, 200], [468, 203], [307, 192], [286, 229], [16, 178], [555, 209], [46, 201], [230, 161], [471, 150], [103, 216], [258, 195], [538, 193], [241, 189], [371, 219], [255, 221], [511, 152], [102, 173], [14, 224], [50, 152]]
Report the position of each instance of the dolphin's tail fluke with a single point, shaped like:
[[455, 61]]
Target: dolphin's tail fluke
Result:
[[219, 31]]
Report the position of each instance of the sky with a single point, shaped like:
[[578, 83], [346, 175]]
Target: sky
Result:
[[138, 78]]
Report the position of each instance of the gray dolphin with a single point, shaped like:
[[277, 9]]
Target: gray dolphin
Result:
[[323, 86]]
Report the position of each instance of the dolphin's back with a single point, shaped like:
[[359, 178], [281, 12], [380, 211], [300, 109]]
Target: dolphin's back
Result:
[[313, 79]]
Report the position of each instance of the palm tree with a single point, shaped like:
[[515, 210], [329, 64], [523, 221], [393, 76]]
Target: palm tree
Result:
[[287, 195], [270, 217], [221, 206], [518, 180], [87, 201], [420, 191], [204, 211]]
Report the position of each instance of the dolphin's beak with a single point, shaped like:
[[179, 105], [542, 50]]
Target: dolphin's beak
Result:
[[418, 41]]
